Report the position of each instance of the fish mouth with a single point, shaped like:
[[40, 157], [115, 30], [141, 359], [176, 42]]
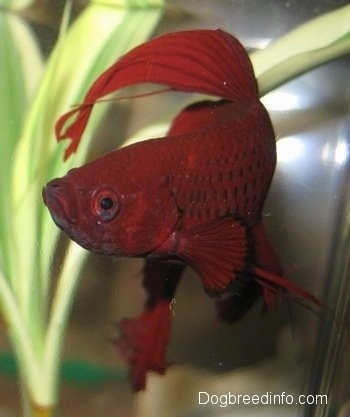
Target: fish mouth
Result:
[[58, 196]]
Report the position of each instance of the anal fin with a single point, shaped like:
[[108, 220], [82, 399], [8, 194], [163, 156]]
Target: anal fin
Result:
[[268, 273], [273, 284]]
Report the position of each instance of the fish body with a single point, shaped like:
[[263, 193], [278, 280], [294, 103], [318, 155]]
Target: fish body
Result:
[[165, 192], [195, 196]]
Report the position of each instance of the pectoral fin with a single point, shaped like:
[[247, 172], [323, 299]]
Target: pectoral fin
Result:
[[217, 250]]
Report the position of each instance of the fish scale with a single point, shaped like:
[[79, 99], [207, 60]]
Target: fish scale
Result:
[[233, 173]]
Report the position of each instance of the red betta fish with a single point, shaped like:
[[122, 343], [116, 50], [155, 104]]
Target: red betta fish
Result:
[[192, 198]]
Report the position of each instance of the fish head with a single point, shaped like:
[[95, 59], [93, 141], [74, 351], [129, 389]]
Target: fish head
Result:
[[107, 207]]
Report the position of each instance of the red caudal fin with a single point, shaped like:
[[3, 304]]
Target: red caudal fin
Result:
[[203, 61]]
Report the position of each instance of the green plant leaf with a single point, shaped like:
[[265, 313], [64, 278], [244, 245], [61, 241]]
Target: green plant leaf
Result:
[[313, 43], [17, 83], [98, 37], [14, 4]]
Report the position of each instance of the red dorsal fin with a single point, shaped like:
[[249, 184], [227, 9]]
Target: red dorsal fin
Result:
[[217, 250]]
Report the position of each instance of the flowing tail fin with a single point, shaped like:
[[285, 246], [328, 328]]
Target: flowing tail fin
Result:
[[200, 61]]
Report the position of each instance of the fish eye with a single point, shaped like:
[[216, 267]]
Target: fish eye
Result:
[[105, 203]]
